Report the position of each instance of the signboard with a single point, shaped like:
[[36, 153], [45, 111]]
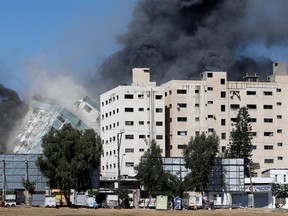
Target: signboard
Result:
[[257, 188], [161, 202]]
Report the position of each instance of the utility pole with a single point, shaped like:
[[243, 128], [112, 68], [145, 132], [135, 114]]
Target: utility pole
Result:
[[251, 186], [119, 138]]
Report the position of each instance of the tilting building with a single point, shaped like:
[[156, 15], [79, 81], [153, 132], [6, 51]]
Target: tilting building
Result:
[[42, 116]]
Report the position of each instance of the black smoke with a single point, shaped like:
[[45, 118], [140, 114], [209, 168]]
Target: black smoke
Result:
[[177, 38], [11, 110]]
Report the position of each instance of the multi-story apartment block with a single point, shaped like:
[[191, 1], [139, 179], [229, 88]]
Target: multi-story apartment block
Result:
[[131, 117], [212, 103]]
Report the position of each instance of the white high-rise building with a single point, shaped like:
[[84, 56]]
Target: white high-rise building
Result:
[[212, 103], [131, 117]]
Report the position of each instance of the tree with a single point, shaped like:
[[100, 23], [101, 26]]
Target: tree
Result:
[[200, 155], [69, 158], [29, 189], [241, 145], [150, 169]]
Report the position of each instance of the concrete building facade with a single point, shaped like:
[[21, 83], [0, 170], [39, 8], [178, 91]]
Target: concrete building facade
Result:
[[131, 117], [212, 103]]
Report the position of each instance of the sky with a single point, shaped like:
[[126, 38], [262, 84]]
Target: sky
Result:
[[59, 36], [41, 38]]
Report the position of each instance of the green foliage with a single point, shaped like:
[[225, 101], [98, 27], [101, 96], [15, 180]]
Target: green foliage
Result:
[[150, 171], [9, 192], [241, 145], [69, 157], [93, 192], [280, 190], [200, 155], [29, 185], [123, 196]]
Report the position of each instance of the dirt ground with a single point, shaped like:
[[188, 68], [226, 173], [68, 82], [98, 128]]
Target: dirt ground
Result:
[[33, 211]]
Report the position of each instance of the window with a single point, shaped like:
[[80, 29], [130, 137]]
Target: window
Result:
[[129, 150], [280, 158], [279, 116], [254, 134], [129, 136], [129, 123], [210, 88], [210, 102], [128, 96], [197, 91], [284, 176], [223, 122], [159, 110], [129, 164], [222, 81], [268, 160], [141, 136], [209, 75], [181, 105], [129, 109], [182, 119], [267, 93], [196, 105], [141, 122], [278, 90], [158, 97], [278, 103], [210, 116], [60, 118], [159, 123], [223, 135], [223, 108], [279, 144], [253, 120], [234, 106], [182, 133], [159, 137], [268, 134], [141, 109], [279, 130], [141, 150], [254, 147], [268, 147], [251, 106], [140, 96], [223, 94], [268, 120], [197, 119], [210, 130], [251, 92], [87, 108], [267, 106], [181, 91], [181, 146]]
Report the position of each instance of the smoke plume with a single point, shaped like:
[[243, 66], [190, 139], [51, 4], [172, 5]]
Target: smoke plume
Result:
[[177, 38], [11, 109]]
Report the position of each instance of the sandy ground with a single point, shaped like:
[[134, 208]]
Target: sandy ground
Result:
[[33, 211]]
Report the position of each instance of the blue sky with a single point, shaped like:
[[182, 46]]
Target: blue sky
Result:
[[71, 36]]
